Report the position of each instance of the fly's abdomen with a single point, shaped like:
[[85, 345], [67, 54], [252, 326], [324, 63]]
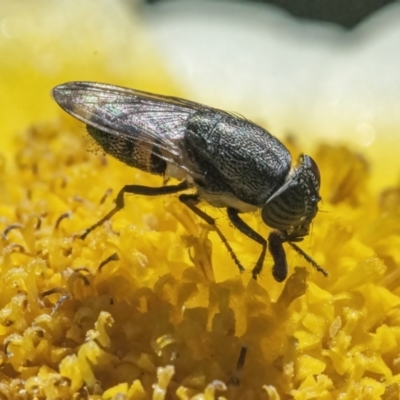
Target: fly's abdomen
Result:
[[132, 151]]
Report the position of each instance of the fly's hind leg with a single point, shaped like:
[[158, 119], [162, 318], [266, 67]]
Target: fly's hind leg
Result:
[[135, 189], [191, 201], [233, 215]]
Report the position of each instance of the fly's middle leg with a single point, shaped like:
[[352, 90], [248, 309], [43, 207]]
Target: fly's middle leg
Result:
[[191, 201], [135, 189]]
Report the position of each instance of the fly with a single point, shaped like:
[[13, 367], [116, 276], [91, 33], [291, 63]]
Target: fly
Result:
[[231, 162]]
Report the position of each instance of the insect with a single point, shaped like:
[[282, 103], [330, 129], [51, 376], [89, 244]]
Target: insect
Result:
[[231, 162]]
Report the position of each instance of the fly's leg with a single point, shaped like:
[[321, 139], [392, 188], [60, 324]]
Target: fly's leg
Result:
[[191, 201], [280, 268], [233, 215], [308, 258], [136, 189]]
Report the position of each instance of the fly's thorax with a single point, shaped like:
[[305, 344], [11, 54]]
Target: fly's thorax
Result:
[[234, 156], [293, 206], [132, 151]]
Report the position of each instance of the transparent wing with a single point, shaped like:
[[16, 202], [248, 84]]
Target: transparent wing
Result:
[[158, 120]]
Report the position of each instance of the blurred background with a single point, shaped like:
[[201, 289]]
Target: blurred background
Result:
[[347, 13], [317, 70]]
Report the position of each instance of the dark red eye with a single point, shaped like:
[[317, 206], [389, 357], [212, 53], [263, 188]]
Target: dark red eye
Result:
[[312, 165]]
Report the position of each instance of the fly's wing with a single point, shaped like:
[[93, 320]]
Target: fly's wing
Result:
[[131, 115]]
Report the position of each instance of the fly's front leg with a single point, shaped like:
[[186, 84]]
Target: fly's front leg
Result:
[[308, 258], [233, 215], [191, 201], [136, 189]]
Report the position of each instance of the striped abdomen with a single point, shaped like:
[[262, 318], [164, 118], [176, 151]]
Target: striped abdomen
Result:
[[132, 152]]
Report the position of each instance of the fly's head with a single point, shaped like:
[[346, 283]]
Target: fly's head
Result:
[[293, 206]]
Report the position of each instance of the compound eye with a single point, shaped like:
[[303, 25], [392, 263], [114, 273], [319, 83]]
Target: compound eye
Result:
[[312, 165]]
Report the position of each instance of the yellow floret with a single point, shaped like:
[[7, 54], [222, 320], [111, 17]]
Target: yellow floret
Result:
[[170, 312]]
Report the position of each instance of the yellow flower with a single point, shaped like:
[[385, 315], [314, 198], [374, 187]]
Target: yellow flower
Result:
[[170, 314]]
